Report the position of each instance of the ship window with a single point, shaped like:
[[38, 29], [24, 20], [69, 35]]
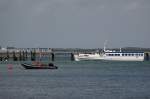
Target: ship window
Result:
[[122, 54], [129, 54], [109, 54], [125, 54], [117, 54]]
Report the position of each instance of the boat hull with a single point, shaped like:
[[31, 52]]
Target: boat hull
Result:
[[112, 56], [87, 57], [123, 59], [30, 66]]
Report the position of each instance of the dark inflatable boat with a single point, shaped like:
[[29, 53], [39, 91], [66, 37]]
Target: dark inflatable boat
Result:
[[39, 66]]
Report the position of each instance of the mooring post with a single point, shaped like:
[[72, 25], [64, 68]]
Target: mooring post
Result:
[[14, 56], [7, 54], [53, 56], [72, 57], [26, 55], [23, 56], [20, 56], [147, 56], [33, 56]]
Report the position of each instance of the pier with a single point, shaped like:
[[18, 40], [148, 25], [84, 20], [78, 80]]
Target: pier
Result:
[[33, 54], [36, 54]]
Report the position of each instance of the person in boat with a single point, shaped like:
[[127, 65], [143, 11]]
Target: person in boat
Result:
[[51, 64]]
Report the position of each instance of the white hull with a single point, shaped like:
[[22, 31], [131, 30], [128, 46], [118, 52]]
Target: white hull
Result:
[[124, 58], [104, 56], [79, 57]]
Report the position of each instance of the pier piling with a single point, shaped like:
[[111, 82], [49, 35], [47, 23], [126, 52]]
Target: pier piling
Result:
[[147, 56], [31, 54], [26, 55], [23, 56], [72, 57], [8, 55], [20, 56], [53, 56], [14, 56]]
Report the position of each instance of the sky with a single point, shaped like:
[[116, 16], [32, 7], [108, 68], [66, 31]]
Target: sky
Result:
[[75, 23]]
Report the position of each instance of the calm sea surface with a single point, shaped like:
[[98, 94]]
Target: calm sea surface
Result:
[[77, 80]]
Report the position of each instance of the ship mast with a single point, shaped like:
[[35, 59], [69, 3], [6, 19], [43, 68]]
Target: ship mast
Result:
[[105, 45]]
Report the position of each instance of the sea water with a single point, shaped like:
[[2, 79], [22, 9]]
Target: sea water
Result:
[[77, 80]]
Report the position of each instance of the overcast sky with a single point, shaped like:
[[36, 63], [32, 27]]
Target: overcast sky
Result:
[[75, 23]]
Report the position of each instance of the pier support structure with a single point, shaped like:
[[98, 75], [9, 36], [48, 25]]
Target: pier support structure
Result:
[[72, 57], [53, 56], [147, 56]]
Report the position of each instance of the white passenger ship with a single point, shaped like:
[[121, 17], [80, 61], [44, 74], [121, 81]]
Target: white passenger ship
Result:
[[123, 56], [111, 55]]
